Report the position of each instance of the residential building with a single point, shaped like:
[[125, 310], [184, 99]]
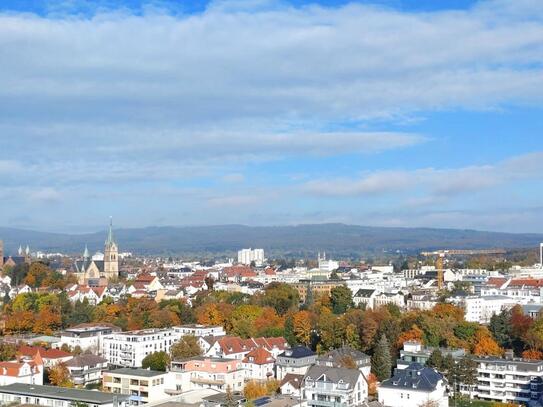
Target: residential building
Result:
[[480, 309], [203, 372], [86, 369], [247, 256], [509, 380], [128, 349], [199, 330], [415, 352], [19, 393], [334, 386], [365, 298], [237, 348], [259, 364], [22, 371], [413, 387], [315, 287], [142, 386], [339, 357], [50, 357], [88, 337], [294, 361]]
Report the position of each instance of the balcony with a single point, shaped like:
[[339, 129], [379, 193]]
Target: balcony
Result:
[[202, 380], [322, 403]]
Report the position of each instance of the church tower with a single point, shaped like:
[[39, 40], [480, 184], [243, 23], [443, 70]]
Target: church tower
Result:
[[111, 255]]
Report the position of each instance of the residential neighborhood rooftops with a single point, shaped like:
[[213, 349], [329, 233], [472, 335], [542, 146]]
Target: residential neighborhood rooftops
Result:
[[297, 352], [414, 377], [61, 393]]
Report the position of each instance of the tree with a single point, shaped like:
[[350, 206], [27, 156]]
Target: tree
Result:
[[59, 375], [302, 326], [532, 354], [186, 347], [500, 328], [281, 296], [341, 298], [414, 334], [254, 390], [381, 363], [7, 352], [229, 398], [209, 314], [485, 345], [289, 333], [466, 372], [435, 360], [158, 361], [335, 276]]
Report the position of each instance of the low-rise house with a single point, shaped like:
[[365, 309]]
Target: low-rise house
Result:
[[86, 369], [343, 357], [260, 364], [141, 386], [365, 297], [22, 371], [294, 361], [50, 357], [415, 352], [413, 387], [328, 386], [237, 348], [203, 372], [292, 384], [19, 393]]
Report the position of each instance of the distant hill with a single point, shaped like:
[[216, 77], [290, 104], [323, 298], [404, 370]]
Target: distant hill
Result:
[[304, 240]]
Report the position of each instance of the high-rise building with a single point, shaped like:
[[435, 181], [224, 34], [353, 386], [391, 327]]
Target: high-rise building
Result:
[[247, 256]]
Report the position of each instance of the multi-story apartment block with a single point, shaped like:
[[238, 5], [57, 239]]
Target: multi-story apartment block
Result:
[[128, 349], [294, 361], [481, 309], [87, 336], [208, 373], [142, 386], [199, 330], [509, 380], [334, 387], [32, 394], [247, 256]]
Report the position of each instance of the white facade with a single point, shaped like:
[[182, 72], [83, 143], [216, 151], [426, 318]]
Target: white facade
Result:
[[87, 338], [199, 330], [128, 349], [141, 385], [247, 256], [481, 309], [327, 387], [412, 397]]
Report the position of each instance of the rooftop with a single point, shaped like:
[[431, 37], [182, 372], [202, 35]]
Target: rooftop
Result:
[[135, 371], [61, 393]]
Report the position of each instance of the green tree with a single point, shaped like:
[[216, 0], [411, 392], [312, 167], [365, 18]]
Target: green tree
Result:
[[289, 334], [335, 276], [158, 361], [381, 362], [341, 298], [280, 296], [186, 347], [500, 328], [7, 352], [436, 360]]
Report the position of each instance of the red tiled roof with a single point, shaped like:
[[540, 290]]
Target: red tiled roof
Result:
[[526, 282], [496, 281], [259, 356], [145, 278], [31, 351]]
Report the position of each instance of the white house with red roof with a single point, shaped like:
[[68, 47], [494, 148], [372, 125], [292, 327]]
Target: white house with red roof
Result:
[[260, 364], [29, 371], [50, 357], [237, 348]]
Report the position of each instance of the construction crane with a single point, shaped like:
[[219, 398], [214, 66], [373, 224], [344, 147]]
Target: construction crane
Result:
[[439, 268]]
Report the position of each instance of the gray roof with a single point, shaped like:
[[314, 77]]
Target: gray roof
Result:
[[82, 265], [334, 374], [61, 393], [336, 355], [134, 371], [365, 293], [414, 377], [85, 360], [297, 352]]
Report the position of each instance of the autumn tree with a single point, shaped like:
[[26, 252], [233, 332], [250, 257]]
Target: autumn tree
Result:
[[381, 362], [280, 296], [186, 347], [302, 326], [7, 352], [59, 375], [485, 345], [254, 389], [532, 354], [414, 334], [209, 314]]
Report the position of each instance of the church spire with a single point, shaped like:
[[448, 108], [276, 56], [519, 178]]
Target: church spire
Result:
[[110, 240], [86, 253]]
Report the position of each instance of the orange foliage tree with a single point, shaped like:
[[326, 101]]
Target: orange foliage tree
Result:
[[301, 322], [485, 345]]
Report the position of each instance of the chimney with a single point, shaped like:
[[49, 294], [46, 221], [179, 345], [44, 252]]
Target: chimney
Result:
[[509, 354]]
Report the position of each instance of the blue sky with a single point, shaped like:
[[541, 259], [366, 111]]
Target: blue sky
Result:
[[265, 112]]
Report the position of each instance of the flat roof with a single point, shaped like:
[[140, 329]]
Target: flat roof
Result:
[[136, 371], [61, 393]]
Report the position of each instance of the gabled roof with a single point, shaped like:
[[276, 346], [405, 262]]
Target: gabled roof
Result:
[[334, 375], [259, 356], [31, 351], [336, 355], [85, 360], [365, 293], [295, 380], [414, 377]]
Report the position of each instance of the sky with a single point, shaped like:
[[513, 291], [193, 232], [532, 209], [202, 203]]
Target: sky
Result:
[[266, 112]]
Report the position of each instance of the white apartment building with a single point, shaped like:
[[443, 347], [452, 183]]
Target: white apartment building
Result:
[[87, 336], [332, 386], [199, 330], [19, 393], [142, 386], [247, 256], [128, 349], [481, 309], [509, 380]]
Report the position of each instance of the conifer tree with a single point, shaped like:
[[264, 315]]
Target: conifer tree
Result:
[[381, 363]]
